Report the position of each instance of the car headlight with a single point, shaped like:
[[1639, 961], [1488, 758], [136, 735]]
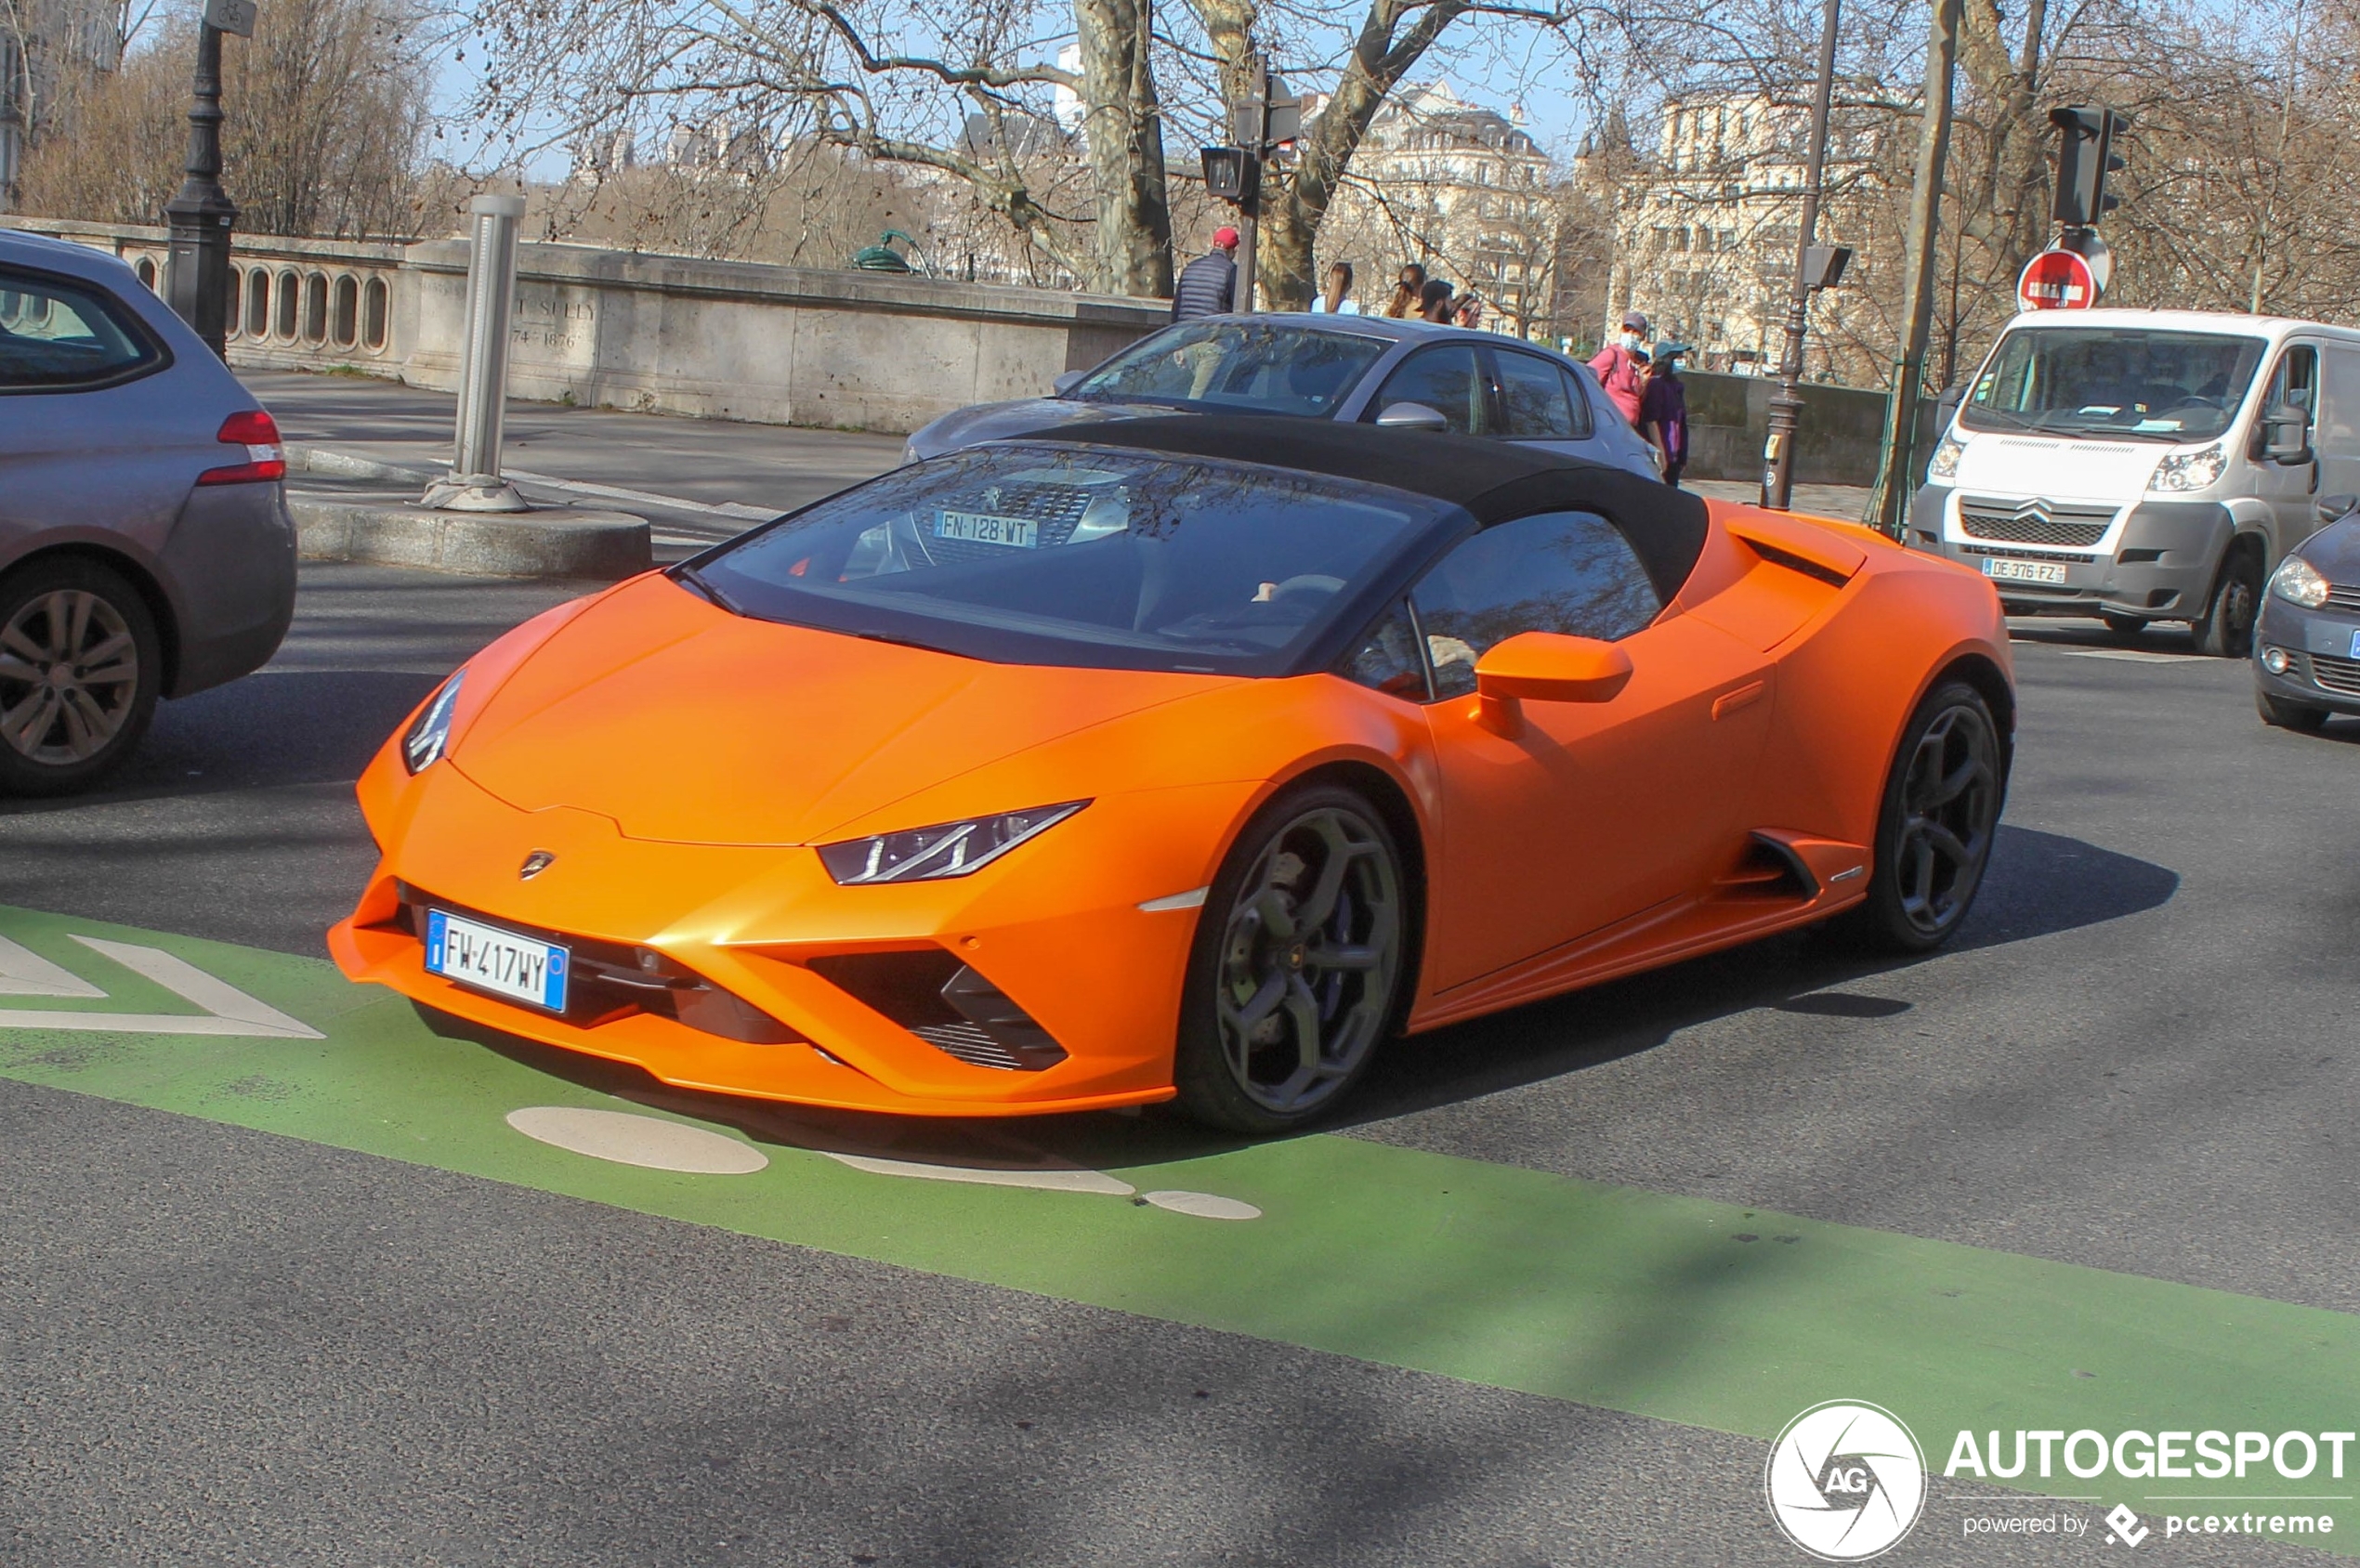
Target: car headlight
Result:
[[429, 733], [947, 849], [2190, 470], [2299, 582], [1944, 465]]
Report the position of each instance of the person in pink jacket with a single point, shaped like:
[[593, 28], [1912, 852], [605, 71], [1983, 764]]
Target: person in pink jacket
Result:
[[1622, 366]]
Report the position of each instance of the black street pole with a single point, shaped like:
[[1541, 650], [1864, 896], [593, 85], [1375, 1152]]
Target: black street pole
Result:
[[200, 216], [1785, 409], [1250, 209]]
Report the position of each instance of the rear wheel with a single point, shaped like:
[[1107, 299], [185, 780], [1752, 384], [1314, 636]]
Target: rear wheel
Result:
[[2225, 629], [1299, 967], [1935, 829], [2289, 715], [79, 670]]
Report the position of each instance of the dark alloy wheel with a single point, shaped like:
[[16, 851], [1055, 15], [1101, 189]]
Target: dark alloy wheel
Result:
[[1934, 833], [79, 668], [2277, 711], [2226, 630], [1299, 966]]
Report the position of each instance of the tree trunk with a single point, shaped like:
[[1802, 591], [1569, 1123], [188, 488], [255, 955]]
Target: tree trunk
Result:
[[1890, 505], [1124, 129]]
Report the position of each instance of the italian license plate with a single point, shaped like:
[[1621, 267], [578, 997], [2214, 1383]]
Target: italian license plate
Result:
[[982, 527], [2024, 571], [488, 958]]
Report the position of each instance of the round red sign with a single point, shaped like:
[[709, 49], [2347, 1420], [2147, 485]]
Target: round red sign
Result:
[[2057, 280]]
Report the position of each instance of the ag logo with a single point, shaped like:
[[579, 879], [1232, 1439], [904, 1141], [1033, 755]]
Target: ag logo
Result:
[[1845, 1481]]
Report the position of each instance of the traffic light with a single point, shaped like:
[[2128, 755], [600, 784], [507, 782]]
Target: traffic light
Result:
[[1230, 172], [2085, 156]]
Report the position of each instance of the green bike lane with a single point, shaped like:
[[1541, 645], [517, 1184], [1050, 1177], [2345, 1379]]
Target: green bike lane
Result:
[[1681, 1309]]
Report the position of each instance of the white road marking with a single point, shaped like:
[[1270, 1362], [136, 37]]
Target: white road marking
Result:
[[228, 1011], [628, 1139], [737, 509], [1193, 899], [2130, 655], [1070, 1179], [24, 973], [1204, 1205]]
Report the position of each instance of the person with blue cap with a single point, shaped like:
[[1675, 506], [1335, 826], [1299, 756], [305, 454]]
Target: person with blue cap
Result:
[[1663, 409]]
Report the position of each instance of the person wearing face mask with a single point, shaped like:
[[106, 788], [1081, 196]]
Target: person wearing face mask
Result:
[[1620, 366]]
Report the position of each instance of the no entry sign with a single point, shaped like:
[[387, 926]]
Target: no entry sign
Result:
[[2057, 280]]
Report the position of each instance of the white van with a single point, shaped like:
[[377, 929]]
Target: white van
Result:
[[2145, 466]]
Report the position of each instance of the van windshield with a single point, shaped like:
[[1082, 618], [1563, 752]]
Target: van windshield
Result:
[[2147, 384]]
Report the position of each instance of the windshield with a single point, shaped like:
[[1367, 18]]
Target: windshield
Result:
[[2113, 381], [1250, 366], [1101, 557]]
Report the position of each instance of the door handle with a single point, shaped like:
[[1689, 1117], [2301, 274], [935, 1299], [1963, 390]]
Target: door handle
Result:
[[1743, 697]]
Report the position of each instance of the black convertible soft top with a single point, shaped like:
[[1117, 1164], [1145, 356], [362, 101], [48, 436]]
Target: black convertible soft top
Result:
[[1494, 481]]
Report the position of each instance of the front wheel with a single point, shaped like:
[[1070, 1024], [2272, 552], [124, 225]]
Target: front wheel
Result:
[[1935, 829], [2225, 629], [1300, 965], [2277, 711], [79, 670]]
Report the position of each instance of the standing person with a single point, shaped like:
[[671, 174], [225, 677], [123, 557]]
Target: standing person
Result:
[[1663, 409], [1469, 310], [1336, 299], [1617, 366], [1407, 287], [1434, 301], [1208, 285]]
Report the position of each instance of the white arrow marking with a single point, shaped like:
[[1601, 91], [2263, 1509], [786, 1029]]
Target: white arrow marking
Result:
[[24, 973], [228, 1011]]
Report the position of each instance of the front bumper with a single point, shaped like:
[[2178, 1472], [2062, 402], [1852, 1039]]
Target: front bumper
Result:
[[2157, 563], [1055, 926], [2323, 664]]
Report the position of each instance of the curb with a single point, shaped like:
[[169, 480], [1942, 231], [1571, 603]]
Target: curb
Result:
[[604, 546], [303, 458]]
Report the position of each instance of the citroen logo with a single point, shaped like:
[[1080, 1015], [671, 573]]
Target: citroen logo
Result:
[[535, 863]]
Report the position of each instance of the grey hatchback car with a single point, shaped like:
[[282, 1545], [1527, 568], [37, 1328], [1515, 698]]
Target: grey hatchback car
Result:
[[1355, 368], [146, 549]]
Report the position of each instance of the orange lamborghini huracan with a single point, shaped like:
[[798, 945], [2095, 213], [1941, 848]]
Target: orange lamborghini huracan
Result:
[[1186, 756]]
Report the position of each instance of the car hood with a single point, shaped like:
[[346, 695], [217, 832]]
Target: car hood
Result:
[[993, 421], [2335, 550], [682, 723]]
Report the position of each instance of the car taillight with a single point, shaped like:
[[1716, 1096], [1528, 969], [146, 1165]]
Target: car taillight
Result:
[[265, 459]]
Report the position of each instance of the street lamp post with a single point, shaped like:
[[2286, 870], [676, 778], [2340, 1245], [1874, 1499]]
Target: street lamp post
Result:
[[202, 216], [1785, 409]]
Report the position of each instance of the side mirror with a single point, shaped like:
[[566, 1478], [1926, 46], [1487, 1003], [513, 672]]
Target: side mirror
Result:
[[1068, 381], [1547, 667], [2286, 435], [1412, 416], [2332, 507]]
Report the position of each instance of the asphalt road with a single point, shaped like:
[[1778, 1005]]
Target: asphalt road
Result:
[[219, 1345]]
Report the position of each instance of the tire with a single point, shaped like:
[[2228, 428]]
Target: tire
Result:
[[1935, 829], [2225, 629], [80, 666], [1304, 937], [2124, 626], [2284, 714]]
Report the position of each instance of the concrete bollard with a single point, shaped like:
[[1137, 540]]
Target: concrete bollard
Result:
[[474, 484]]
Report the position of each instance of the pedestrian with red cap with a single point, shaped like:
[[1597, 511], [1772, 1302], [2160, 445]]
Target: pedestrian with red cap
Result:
[[1208, 285]]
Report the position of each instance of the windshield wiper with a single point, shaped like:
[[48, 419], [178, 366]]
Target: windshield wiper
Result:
[[696, 581]]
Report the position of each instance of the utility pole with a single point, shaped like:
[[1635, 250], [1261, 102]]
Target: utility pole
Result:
[[1889, 507], [1785, 409], [1252, 132], [202, 216]]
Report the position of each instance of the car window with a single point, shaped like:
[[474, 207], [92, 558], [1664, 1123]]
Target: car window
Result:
[[1103, 558], [58, 336], [1244, 367], [1445, 380], [2295, 383], [1535, 401], [1387, 658], [1571, 572]]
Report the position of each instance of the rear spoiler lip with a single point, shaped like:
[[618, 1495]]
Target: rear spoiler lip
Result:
[[1798, 546]]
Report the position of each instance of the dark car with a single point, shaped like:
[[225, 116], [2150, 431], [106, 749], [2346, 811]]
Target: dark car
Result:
[[2306, 649], [1351, 368], [145, 545]]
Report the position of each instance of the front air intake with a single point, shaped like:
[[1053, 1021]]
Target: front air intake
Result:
[[946, 1004]]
